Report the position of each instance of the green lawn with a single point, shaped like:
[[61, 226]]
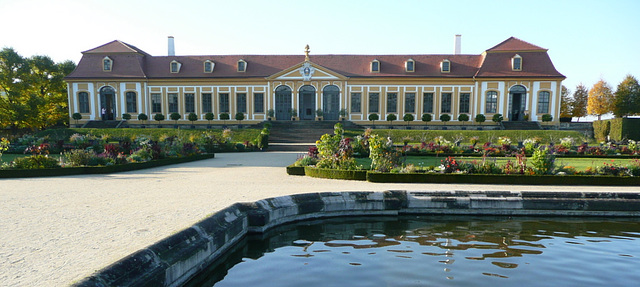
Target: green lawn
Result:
[[580, 164]]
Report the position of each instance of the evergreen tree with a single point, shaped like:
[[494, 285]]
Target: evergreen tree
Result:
[[627, 98], [600, 99], [566, 105], [580, 99]]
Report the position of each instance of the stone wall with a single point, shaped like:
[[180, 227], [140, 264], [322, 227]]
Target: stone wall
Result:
[[176, 259]]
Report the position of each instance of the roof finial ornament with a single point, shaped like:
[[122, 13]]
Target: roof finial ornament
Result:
[[306, 53]]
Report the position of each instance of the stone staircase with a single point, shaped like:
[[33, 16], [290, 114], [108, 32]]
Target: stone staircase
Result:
[[105, 124], [300, 135], [521, 126]]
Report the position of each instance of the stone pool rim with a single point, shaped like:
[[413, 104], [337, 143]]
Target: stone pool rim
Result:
[[176, 259]]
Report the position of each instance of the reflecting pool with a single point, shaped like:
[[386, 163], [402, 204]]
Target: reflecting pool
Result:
[[436, 251]]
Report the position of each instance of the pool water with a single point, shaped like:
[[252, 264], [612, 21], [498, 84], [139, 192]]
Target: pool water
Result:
[[436, 251]]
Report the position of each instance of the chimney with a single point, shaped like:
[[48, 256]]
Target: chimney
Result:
[[172, 49], [457, 48]]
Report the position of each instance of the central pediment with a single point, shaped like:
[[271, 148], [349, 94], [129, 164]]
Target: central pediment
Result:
[[306, 71]]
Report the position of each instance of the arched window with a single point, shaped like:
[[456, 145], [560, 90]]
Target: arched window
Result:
[[208, 66], [375, 66], [175, 66], [410, 66], [242, 66], [543, 102], [491, 105], [107, 64], [516, 63], [445, 66]]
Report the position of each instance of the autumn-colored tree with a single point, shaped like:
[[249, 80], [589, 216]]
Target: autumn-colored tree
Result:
[[627, 98], [33, 93], [580, 99], [566, 104], [600, 99]]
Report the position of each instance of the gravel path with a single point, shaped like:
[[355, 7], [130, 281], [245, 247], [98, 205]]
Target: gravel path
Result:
[[55, 231]]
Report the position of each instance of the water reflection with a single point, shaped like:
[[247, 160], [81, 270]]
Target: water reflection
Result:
[[507, 245]]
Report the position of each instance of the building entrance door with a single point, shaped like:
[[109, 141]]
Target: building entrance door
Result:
[[331, 103], [107, 104], [517, 103], [307, 103], [283, 103]]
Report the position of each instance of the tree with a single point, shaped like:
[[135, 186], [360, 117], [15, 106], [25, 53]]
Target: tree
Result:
[[142, 117], [373, 118], [192, 117], [239, 117], [33, 92], [76, 117], [391, 118], [600, 99], [224, 117], [426, 118], [580, 99], [627, 98], [497, 118], [463, 118], [158, 118], [209, 117], [566, 103], [445, 118], [408, 118], [175, 117]]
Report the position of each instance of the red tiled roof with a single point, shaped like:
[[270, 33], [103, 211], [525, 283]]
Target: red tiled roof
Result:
[[515, 44], [131, 62]]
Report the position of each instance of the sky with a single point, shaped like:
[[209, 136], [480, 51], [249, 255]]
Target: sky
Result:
[[587, 40]]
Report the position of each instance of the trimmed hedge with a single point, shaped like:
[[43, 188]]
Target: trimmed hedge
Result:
[[502, 179], [617, 129], [295, 170], [335, 173], [20, 173]]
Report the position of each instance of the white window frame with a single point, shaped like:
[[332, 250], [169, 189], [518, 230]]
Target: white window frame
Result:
[[448, 66], [178, 66]]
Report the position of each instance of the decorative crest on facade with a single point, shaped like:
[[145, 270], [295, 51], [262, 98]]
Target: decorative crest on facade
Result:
[[307, 71]]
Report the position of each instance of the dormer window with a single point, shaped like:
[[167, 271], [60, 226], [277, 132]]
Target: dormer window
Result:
[[242, 66], [107, 64], [208, 66], [410, 66], [175, 66], [516, 63], [375, 66], [445, 66]]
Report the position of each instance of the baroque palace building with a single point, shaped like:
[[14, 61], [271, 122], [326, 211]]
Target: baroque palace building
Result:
[[514, 78]]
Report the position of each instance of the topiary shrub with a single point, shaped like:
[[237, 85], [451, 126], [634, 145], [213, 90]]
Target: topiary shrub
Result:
[[547, 118], [463, 118], [126, 116], [497, 118], [445, 118], [142, 117], [175, 117], [480, 118], [192, 117], [76, 117], [373, 118], [426, 118], [408, 118]]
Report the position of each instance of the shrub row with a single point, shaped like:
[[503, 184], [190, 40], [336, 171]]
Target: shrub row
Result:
[[21, 173], [617, 129], [463, 178]]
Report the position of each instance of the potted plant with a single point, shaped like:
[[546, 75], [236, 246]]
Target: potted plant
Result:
[[391, 118], [408, 118], [192, 117], [373, 118], [547, 118], [76, 117], [343, 114], [126, 116], [239, 118], [445, 118], [142, 117], [209, 117], [175, 117], [294, 114], [497, 118], [159, 118], [319, 114], [224, 117], [271, 114], [426, 118]]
